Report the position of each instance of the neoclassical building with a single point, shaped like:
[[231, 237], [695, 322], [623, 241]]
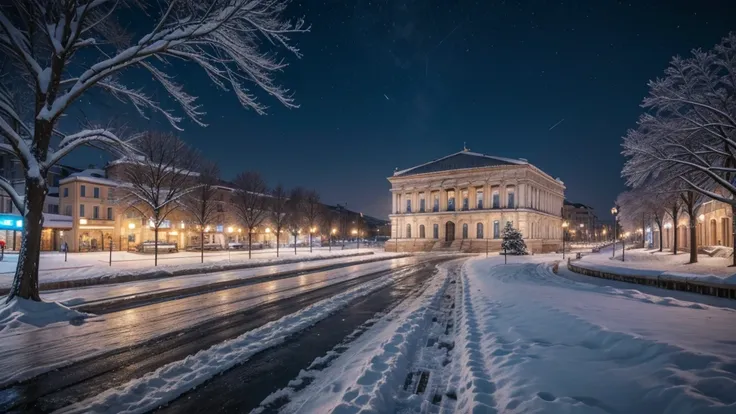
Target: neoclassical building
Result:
[[714, 228], [461, 202]]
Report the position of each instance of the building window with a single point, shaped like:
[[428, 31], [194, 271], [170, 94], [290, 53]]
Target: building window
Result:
[[496, 199], [436, 202], [109, 193], [479, 230], [451, 200], [81, 210], [422, 205], [408, 231], [95, 212], [496, 230], [83, 191], [68, 210], [109, 213], [96, 192], [436, 231], [479, 199], [510, 198], [66, 191], [408, 205], [421, 231], [465, 231], [466, 204]]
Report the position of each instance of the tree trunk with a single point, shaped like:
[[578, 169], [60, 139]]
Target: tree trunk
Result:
[[155, 245], [277, 242], [733, 233], [674, 228], [661, 236], [250, 238], [295, 244], [693, 235], [310, 242], [25, 282], [201, 247]]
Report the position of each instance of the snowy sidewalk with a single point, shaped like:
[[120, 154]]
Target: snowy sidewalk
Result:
[[663, 265], [90, 270], [533, 341]]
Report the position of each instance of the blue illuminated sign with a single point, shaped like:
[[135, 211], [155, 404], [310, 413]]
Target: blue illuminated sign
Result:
[[10, 222]]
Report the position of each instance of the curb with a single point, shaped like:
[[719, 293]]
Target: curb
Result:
[[720, 290], [161, 273]]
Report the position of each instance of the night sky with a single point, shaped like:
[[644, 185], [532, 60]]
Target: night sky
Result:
[[386, 84]]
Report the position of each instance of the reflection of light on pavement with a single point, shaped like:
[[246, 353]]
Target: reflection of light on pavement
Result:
[[271, 286], [302, 281]]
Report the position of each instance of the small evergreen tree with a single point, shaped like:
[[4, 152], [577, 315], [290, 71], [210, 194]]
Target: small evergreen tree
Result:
[[513, 243]]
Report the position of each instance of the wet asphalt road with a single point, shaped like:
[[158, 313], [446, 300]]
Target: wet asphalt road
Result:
[[245, 386], [81, 380]]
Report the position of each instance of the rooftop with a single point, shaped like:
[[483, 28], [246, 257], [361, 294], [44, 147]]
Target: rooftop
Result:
[[460, 160]]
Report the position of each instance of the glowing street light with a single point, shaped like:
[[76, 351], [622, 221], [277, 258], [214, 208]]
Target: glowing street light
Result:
[[565, 224], [131, 226]]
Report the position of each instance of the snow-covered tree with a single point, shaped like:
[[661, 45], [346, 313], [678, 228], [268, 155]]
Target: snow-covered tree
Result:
[[250, 202], [278, 211], [156, 178], [312, 213], [295, 212], [689, 133], [61, 50], [512, 242], [203, 203]]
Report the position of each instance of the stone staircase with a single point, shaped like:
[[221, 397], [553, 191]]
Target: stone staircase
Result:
[[444, 246]]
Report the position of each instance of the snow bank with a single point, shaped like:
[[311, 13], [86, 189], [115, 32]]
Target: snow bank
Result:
[[531, 341], [20, 315], [368, 377], [172, 380]]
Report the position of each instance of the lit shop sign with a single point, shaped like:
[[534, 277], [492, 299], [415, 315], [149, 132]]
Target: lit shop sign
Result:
[[166, 224], [8, 222]]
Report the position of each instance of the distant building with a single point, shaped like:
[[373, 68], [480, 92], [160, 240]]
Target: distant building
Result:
[[462, 202], [582, 222]]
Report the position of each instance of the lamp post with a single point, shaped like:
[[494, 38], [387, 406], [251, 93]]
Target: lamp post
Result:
[[565, 224], [332, 234], [614, 212], [355, 232], [311, 232]]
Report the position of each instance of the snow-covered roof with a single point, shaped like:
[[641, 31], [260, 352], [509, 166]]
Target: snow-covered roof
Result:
[[92, 175], [460, 160]]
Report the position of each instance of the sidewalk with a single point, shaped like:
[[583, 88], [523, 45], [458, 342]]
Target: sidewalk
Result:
[[85, 269]]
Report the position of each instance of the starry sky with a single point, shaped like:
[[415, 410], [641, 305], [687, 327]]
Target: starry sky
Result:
[[387, 84]]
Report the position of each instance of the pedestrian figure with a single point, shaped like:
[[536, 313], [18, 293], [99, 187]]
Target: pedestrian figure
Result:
[[2, 250]]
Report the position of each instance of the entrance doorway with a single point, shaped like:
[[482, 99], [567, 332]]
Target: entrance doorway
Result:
[[449, 231]]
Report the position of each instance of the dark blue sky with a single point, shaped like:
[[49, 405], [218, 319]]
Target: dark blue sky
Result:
[[494, 74]]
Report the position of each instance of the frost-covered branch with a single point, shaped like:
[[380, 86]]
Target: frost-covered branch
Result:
[[86, 137], [17, 200]]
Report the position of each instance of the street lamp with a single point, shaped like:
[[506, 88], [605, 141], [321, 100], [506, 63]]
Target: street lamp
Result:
[[582, 233], [564, 231], [332, 235], [355, 232], [311, 232], [614, 212]]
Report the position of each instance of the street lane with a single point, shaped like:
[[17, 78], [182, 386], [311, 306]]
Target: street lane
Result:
[[122, 291]]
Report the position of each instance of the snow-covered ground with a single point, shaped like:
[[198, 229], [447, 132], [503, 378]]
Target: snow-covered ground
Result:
[[646, 262], [95, 264], [525, 340], [533, 341], [28, 350]]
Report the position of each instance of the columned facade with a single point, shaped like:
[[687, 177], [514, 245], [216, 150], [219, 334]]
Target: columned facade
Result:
[[714, 227], [444, 205]]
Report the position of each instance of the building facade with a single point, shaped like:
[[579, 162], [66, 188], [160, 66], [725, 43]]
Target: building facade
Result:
[[582, 222], [714, 227], [462, 202]]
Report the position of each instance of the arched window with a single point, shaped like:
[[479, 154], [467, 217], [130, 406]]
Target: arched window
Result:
[[436, 231], [479, 230], [421, 231], [465, 231], [408, 231]]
